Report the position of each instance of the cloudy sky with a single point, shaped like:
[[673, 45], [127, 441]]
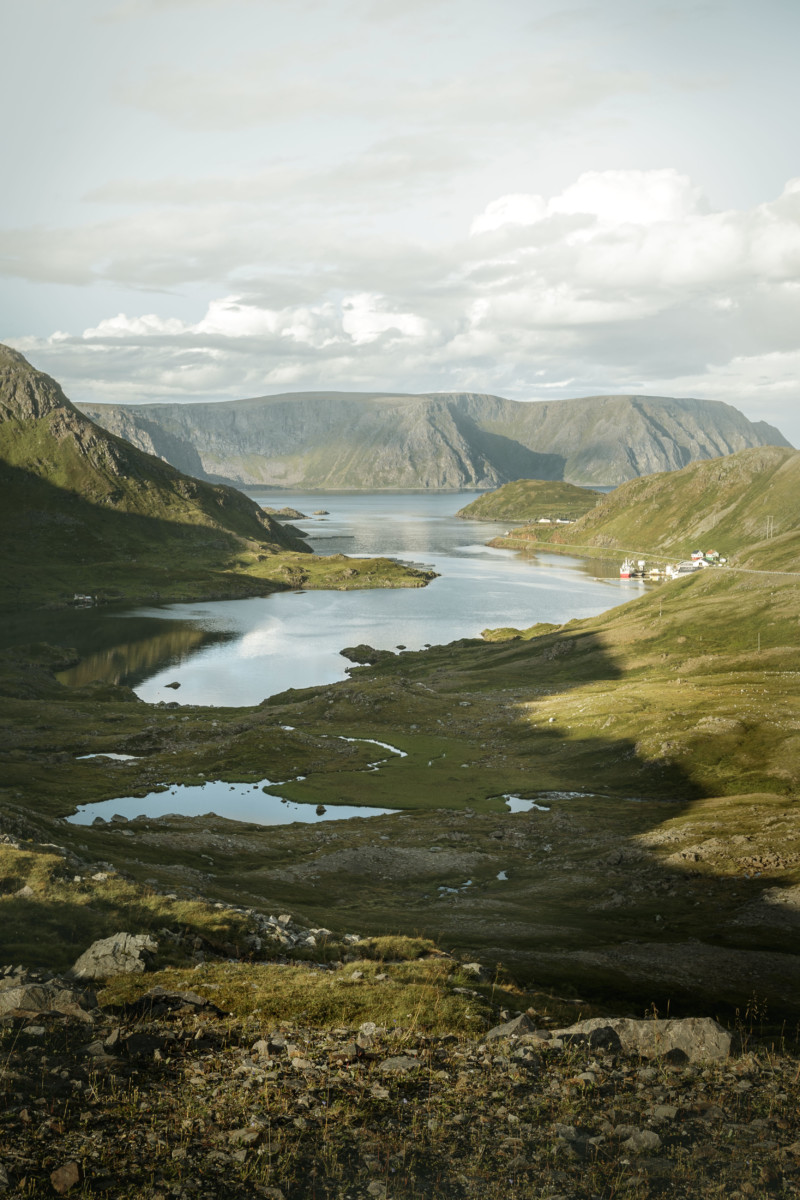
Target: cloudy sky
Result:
[[210, 199]]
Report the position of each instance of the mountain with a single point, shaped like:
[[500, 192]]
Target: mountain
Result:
[[744, 506], [443, 441], [531, 500], [86, 511]]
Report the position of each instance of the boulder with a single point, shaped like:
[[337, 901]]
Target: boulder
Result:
[[121, 954], [47, 997], [693, 1039], [516, 1028]]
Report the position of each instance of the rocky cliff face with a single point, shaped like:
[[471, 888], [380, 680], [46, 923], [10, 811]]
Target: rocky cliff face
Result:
[[444, 441]]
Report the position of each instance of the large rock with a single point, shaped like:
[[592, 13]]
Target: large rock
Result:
[[52, 996], [516, 1028], [121, 954], [697, 1039]]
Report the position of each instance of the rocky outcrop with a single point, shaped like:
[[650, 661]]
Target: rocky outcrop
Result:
[[120, 954], [693, 1039], [438, 441]]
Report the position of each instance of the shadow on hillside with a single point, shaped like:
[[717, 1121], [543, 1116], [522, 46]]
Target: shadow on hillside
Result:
[[56, 540], [681, 913], [509, 458]]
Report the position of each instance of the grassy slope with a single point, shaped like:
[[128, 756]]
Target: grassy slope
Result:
[[93, 514], [530, 499], [724, 504]]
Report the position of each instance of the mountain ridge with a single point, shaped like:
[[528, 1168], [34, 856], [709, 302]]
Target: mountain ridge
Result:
[[91, 513], [431, 441]]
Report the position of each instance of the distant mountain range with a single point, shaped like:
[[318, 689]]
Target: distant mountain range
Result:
[[442, 441]]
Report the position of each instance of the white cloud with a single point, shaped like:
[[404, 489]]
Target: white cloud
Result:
[[611, 198], [367, 316], [630, 197], [517, 209], [623, 281], [123, 327]]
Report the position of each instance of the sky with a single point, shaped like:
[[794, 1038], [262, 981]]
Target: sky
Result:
[[213, 199]]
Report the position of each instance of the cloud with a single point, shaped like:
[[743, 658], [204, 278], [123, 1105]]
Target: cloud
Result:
[[127, 10], [276, 87], [383, 176], [623, 281], [611, 198]]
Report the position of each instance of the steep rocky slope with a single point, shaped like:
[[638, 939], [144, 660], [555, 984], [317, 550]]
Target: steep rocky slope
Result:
[[83, 506], [438, 441]]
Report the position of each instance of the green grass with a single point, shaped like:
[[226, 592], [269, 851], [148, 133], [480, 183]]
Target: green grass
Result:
[[416, 995], [530, 499], [743, 506], [61, 916]]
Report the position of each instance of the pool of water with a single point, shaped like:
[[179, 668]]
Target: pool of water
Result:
[[234, 801]]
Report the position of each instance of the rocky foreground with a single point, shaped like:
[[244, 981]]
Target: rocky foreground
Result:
[[169, 1094]]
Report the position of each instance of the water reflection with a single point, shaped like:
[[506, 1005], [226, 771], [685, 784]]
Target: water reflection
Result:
[[239, 652], [237, 801], [133, 661]]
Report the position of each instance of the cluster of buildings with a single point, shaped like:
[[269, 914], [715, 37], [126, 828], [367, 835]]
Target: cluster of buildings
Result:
[[699, 559]]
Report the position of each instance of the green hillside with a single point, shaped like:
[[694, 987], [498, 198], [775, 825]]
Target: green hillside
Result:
[[88, 513], [744, 506], [531, 499]]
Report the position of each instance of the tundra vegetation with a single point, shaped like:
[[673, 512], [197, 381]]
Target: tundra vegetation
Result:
[[532, 500], [659, 868]]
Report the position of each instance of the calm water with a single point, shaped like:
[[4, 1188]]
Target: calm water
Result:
[[239, 652]]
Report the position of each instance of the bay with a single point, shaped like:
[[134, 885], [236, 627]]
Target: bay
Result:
[[239, 652]]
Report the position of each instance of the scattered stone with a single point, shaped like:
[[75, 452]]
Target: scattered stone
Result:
[[398, 1065], [246, 1137], [642, 1141], [65, 1177]]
